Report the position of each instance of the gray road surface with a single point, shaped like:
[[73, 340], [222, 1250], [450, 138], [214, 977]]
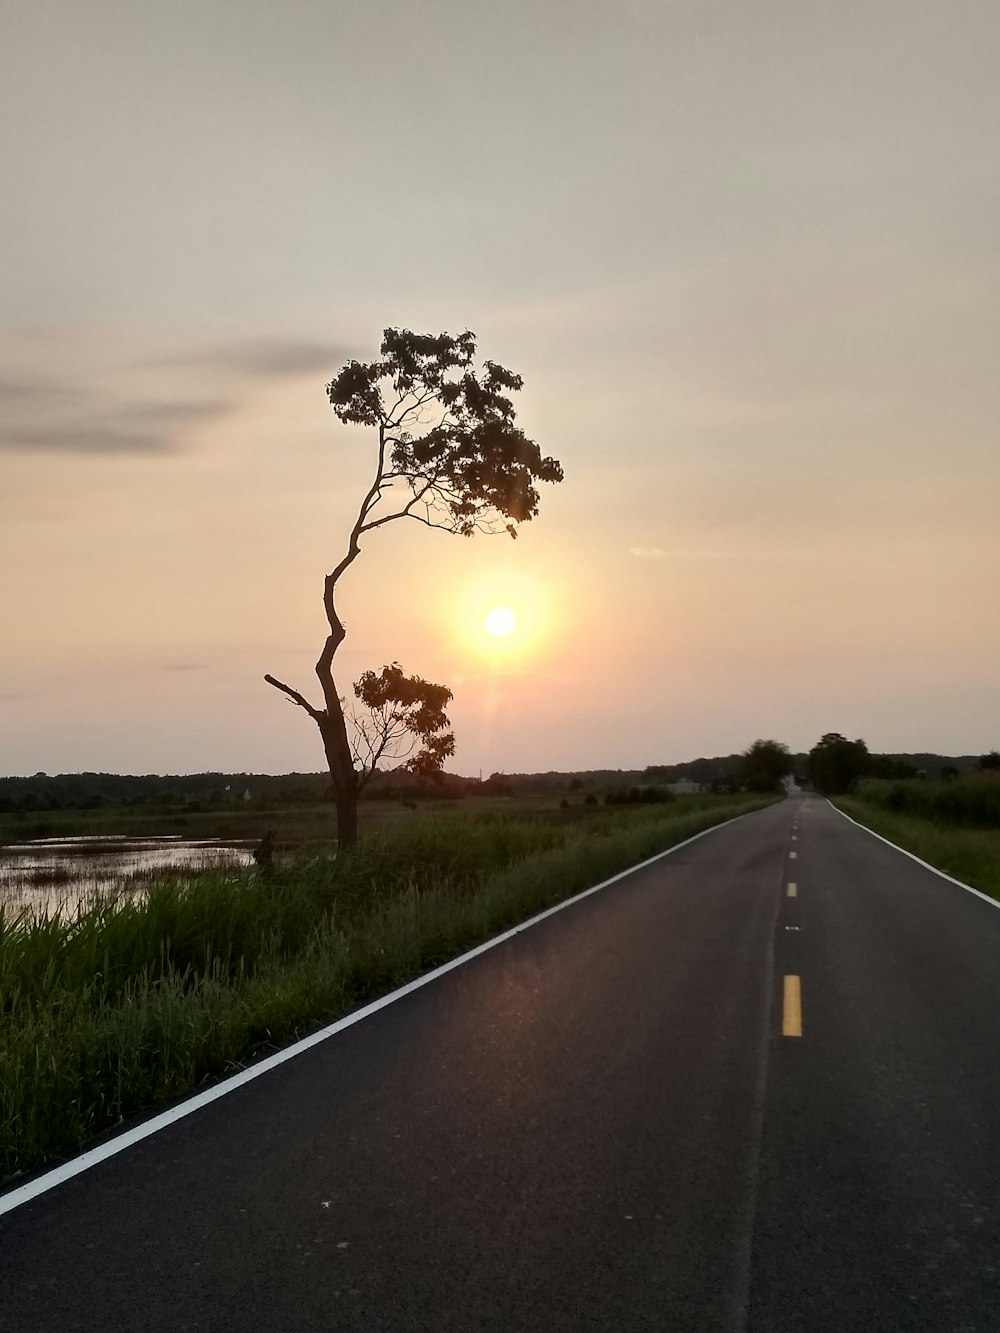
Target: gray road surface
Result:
[[597, 1125]]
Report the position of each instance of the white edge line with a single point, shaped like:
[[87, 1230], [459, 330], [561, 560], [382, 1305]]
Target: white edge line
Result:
[[25, 1193], [926, 864]]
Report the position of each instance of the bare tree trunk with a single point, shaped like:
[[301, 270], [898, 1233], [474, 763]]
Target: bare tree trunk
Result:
[[347, 820], [336, 745], [340, 762], [330, 720]]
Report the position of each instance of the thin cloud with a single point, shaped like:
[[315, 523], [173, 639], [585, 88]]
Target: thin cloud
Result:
[[124, 428], [648, 552], [115, 396], [15, 392], [185, 666], [270, 357]]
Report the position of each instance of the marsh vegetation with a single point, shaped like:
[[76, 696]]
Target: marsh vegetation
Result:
[[45, 875]]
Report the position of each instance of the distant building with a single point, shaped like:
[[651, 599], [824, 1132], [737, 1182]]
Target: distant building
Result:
[[684, 787]]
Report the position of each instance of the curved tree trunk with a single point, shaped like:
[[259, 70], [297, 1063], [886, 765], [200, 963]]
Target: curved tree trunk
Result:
[[340, 762], [333, 730]]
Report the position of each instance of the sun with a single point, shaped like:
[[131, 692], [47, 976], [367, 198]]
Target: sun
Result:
[[500, 621]]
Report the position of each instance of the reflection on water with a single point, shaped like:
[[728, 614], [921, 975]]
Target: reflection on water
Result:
[[49, 873]]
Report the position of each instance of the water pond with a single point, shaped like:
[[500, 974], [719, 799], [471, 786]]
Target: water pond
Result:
[[50, 873]]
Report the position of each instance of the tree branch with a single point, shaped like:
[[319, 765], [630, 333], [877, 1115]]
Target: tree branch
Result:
[[405, 512], [429, 523], [353, 549], [300, 699], [418, 401], [381, 735]]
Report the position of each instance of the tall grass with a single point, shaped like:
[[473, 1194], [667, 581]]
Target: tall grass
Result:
[[969, 854], [971, 802], [108, 1011]]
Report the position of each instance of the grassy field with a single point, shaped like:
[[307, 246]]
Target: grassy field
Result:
[[126, 1004], [969, 854], [969, 802], [295, 824]]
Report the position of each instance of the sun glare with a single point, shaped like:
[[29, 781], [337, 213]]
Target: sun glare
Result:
[[500, 621], [502, 618]]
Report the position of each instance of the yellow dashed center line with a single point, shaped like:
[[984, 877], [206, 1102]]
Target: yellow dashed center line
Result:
[[791, 1017], [793, 890]]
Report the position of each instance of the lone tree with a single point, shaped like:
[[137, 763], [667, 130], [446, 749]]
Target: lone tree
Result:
[[834, 764], [450, 455], [764, 764]]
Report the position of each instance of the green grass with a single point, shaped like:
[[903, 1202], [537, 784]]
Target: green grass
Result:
[[296, 825], [107, 1013], [970, 802], [293, 823], [969, 854]]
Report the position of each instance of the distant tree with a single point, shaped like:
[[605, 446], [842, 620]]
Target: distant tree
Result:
[[949, 773], [989, 763], [835, 763], [449, 455], [763, 765]]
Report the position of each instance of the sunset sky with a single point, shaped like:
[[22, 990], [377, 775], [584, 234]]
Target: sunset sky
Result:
[[746, 257]]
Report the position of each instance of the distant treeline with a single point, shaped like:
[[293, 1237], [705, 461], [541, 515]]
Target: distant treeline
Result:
[[206, 791], [194, 791], [723, 771]]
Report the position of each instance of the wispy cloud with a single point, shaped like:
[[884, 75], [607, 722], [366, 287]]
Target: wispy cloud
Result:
[[648, 552], [118, 392], [103, 425], [16, 393], [269, 357]]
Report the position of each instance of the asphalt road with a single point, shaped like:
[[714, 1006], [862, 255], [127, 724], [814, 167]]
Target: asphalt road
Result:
[[598, 1124]]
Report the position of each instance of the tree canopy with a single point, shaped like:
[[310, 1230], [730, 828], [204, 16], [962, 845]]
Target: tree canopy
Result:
[[835, 763], [446, 433], [764, 764], [400, 711]]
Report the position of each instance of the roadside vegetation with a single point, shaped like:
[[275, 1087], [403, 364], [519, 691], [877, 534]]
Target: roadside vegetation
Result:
[[295, 824], [126, 1004], [952, 824]]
